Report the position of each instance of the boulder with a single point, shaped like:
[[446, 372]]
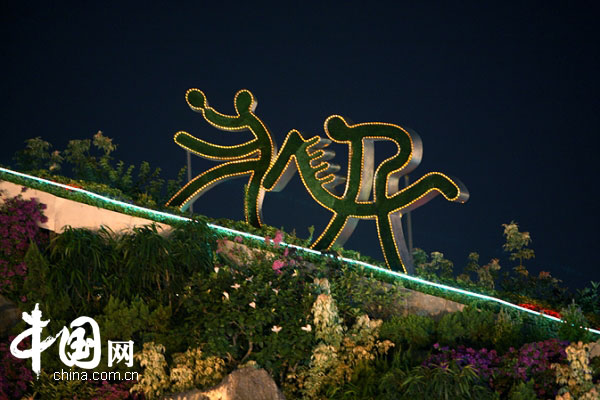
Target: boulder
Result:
[[248, 383], [595, 349]]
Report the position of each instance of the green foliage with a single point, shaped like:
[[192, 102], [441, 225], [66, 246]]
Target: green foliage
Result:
[[339, 350], [250, 311], [47, 388], [588, 298], [37, 155], [189, 370], [193, 370], [450, 382], [154, 382], [573, 328], [90, 267], [37, 273], [357, 291], [516, 244], [507, 330], [536, 329], [91, 166], [473, 326], [437, 265], [523, 391], [134, 320], [410, 330]]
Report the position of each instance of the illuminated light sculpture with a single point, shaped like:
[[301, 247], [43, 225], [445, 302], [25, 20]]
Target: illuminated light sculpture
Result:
[[272, 171], [251, 158]]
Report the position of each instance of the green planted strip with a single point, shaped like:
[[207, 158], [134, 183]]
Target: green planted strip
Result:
[[131, 209]]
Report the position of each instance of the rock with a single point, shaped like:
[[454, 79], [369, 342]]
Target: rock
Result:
[[247, 383], [9, 316], [408, 301], [425, 304], [595, 349]]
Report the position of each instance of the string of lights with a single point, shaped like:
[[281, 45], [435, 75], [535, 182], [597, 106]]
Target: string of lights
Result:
[[164, 216]]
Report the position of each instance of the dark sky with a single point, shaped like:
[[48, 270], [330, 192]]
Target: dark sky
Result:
[[504, 97]]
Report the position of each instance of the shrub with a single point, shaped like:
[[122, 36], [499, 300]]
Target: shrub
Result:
[[340, 350], [573, 327], [576, 378], [14, 373], [589, 298], [449, 381], [523, 391], [531, 361], [471, 326], [251, 311], [18, 228], [411, 330], [357, 292]]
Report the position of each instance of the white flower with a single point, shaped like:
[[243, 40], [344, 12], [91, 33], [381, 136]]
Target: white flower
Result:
[[216, 270], [276, 291], [307, 328], [276, 328], [295, 273], [236, 286], [249, 279], [253, 305], [226, 295]]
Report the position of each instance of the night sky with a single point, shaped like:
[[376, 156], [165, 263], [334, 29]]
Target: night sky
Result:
[[504, 97]]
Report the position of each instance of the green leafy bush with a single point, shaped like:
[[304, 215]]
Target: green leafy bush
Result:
[[472, 326], [357, 291], [411, 330], [523, 391], [189, 370], [573, 327], [339, 349], [448, 382], [252, 311]]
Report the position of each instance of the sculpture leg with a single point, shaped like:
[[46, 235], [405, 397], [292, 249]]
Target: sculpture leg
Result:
[[208, 179], [331, 233], [393, 245], [253, 200]]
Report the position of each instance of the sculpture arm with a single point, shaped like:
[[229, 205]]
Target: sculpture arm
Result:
[[215, 151]]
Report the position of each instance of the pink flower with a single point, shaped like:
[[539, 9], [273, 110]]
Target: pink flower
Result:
[[286, 252], [277, 265], [278, 238], [238, 239]]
